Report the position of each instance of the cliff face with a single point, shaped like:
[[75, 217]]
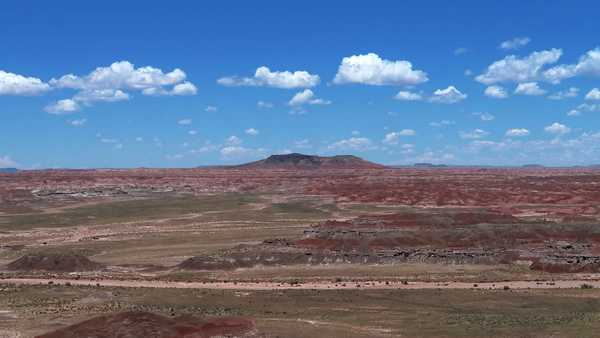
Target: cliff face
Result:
[[297, 161]]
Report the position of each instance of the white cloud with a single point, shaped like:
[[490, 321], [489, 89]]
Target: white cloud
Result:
[[584, 107], [407, 96], [514, 69], [557, 128], [468, 72], [593, 94], [485, 116], [15, 84], [473, 134], [460, 51], [252, 131], [302, 144], [393, 138], [109, 84], [353, 144], [78, 122], [108, 140], [121, 75], [355, 132], [517, 132], [449, 95], [564, 94], [515, 43], [184, 89], [232, 152], [60, 107], [306, 97], [233, 140], [100, 95], [263, 104], [496, 92], [211, 109], [407, 132], [139, 139], [7, 162], [442, 123], [265, 77], [370, 69], [529, 88], [185, 122], [588, 65], [192, 132]]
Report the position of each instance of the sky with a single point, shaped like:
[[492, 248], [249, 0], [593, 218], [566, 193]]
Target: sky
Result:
[[117, 84]]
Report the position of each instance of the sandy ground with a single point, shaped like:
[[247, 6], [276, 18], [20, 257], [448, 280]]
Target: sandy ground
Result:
[[362, 285]]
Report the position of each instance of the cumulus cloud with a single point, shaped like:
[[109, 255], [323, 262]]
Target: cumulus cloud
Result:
[[263, 104], [496, 92], [517, 132], [588, 65], [593, 94], [78, 122], [564, 94], [449, 95], [393, 138], [60, 107], [473, 134], [514, 69], [515, 43], [211, 109], [460, 51], [529, 88], [110, 84], [252, 131], [121, 75], [15, 84], [302, 144], [306, 97], [7, 162], [100, 95], [408, 96], [442, 123], [485, 116], [353, 144], [557, 128], [233, 140], [370, 69], [278, 79], [234, 152], [185, 122]]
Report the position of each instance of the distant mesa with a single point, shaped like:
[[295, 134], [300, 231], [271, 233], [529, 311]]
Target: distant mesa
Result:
[[8, 170], [429, 165], [297, 161], [533, 165]]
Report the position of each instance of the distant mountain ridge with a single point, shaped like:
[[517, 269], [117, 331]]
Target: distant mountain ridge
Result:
[[296, 161], [8, 170]]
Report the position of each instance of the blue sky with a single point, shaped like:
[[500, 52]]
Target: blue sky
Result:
[[182, 83]]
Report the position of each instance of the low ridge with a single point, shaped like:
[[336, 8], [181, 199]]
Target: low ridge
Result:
[[295, 161]]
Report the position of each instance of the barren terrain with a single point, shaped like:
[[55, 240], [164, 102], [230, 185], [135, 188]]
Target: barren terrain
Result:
[[458, 252]]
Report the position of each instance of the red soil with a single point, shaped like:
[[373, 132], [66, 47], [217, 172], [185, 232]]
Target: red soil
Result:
[[146, 325]]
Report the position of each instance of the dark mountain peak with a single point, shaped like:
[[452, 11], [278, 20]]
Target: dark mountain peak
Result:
[[299, 161]]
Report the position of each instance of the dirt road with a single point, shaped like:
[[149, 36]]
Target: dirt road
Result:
[[363, 285]]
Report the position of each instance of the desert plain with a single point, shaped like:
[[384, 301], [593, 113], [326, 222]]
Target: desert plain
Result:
[[272, 251]]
